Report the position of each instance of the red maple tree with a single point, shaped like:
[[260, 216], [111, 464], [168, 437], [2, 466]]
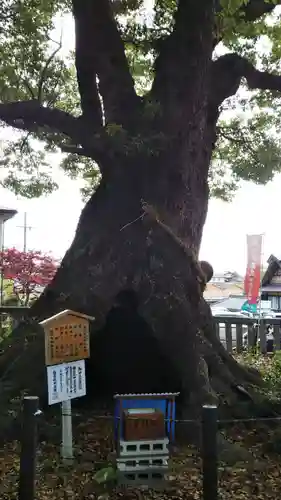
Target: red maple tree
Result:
[[30, 271]]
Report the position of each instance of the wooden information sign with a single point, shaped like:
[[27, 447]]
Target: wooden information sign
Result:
[[66, 337]]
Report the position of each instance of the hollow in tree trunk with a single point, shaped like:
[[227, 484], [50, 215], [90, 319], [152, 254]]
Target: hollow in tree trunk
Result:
[[144, 235], [141, 230]]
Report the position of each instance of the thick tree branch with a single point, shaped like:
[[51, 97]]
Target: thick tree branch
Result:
[[86, 65], [256, 79], [257, 8], [249, 12], [100, 51], [182, 64], [253, 9], [226, 75], [31, 115]]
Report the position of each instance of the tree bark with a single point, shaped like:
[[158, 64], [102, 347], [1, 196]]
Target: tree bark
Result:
[[142, 232], [142, 228], [118, 245]]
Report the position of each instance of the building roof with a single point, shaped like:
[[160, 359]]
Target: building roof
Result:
[[274, 264], [227, 277], [7, 213], [219, 291], [233, 303], [271, 288]]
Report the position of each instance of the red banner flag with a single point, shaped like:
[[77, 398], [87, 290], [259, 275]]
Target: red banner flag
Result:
[[253, 273]]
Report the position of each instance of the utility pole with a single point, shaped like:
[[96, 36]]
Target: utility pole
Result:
[[5, 214], [25, 227]]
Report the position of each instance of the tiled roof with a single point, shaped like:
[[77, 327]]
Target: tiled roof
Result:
[[222, 290]]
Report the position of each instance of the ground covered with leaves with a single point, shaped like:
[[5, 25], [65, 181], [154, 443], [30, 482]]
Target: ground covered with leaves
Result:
[[259, 476]]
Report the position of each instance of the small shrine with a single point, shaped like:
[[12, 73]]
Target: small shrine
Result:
[[144, 427]]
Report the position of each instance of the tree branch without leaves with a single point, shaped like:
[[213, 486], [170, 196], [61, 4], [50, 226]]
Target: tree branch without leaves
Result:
[[244, 143], [101, 52], [31, 115], [183, 60], [86, 64], [226, 75], [45, 69]]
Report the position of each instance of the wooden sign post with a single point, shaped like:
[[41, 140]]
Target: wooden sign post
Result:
[[67, 345]]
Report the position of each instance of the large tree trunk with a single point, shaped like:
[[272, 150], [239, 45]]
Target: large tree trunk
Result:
[[119, 244], [142, 231], [122, 243], [142, 228]]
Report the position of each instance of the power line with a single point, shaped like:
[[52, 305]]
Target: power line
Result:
[[25, 228]]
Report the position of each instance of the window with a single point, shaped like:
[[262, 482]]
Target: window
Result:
[[275, 303]]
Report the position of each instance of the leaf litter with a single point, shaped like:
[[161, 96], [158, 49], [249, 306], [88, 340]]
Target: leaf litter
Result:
[[93, 441]]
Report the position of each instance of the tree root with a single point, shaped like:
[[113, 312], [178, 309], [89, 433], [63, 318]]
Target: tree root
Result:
[[158, 266], [240, 373]]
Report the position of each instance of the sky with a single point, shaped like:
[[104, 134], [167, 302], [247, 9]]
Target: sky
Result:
[[255, 210], [53, 218]]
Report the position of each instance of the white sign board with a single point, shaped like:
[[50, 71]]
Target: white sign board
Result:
[[66, 381]]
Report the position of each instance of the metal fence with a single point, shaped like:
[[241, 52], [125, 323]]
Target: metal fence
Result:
[[193, 473], [94, 442]]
